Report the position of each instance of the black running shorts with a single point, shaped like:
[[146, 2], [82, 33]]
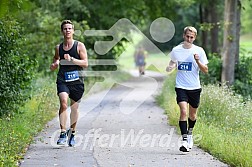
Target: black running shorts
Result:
[[75, 92], [190, 96]]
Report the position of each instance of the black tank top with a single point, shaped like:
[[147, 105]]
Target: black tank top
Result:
[[69, 68]]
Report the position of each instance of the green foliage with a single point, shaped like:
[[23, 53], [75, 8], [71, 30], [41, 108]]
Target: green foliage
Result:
[[17, 131], [243, 77], [228, 106], [73, 10], [17, 69], [226, 113], [214, 70], [246, 15], [42, 35], [243, 74], [13, 7], [47, 15]]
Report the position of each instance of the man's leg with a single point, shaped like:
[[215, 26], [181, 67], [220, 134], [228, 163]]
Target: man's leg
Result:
[[76, 92], [183, 125], [63, 96], [191, 119], [194, 101], [73, 121], [191, 122], [139, 70], [183, 119], [74, 114]]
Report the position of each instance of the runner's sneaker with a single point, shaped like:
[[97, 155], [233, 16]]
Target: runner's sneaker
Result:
[[62, 139], [190, 141], [71, 140], [184, 147]]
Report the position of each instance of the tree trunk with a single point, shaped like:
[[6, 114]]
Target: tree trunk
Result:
[[229, 43], [204, 19], [238, 25], [214, 31]]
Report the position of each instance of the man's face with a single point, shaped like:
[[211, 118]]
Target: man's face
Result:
[[68, 30], [189, 37]]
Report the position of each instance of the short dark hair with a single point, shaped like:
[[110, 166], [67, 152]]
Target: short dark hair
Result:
[[66, 22]]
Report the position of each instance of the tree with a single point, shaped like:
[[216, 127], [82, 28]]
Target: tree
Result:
[[230, 44], [17, 70], [210, 19], [13, 7], [214, 18]]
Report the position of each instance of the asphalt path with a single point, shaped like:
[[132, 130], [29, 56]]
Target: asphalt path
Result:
[[119, 127]]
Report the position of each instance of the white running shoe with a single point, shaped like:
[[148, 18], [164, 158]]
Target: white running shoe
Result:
[[184, 147], [190, 141]]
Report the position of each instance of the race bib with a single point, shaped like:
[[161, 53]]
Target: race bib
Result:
[[71, 76], [185, 66]]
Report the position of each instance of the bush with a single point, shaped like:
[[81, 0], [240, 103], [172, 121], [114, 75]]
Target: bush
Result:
[[214, 73], [243, 74], [243, 77], [16, 68]]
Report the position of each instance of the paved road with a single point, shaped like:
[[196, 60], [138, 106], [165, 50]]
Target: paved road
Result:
[[119, 127]]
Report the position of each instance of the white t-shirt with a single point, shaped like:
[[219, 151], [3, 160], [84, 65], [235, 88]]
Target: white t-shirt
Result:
[[188, 70]]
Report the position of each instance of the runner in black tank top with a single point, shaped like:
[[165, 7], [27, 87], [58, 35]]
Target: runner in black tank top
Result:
[[71, 56], [68, 68]]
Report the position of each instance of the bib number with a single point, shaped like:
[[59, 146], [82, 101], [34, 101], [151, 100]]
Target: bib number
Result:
[[71, 76], [185, 66]]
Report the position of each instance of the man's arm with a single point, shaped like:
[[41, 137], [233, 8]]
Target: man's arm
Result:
[[56, 58], [83, 61], [171, 66], [203, 67]]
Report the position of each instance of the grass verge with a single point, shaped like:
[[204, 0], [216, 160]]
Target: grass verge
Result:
[[17, 131], [224, 122]]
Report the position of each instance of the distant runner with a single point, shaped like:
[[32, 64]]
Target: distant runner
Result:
[[140, 56]]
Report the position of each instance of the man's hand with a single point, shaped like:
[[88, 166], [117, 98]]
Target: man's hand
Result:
[[54, 65], [196, 57], [171, 66], [67, 57], [203, 67]]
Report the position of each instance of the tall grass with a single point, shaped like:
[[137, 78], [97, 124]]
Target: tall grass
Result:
[[224, 122], [17, 131], [227, 116]]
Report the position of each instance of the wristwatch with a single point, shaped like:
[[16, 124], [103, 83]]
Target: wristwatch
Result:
[[71, 58]]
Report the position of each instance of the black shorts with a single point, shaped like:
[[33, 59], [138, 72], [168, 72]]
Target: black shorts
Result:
[[75, 92], [190, 96]]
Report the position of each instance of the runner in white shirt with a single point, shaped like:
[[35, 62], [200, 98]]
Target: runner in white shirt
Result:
[[189, 59]]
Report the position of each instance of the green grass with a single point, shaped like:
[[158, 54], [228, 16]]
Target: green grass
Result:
[[230, 118], [18, 130], [246, 42], [224, 122]]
